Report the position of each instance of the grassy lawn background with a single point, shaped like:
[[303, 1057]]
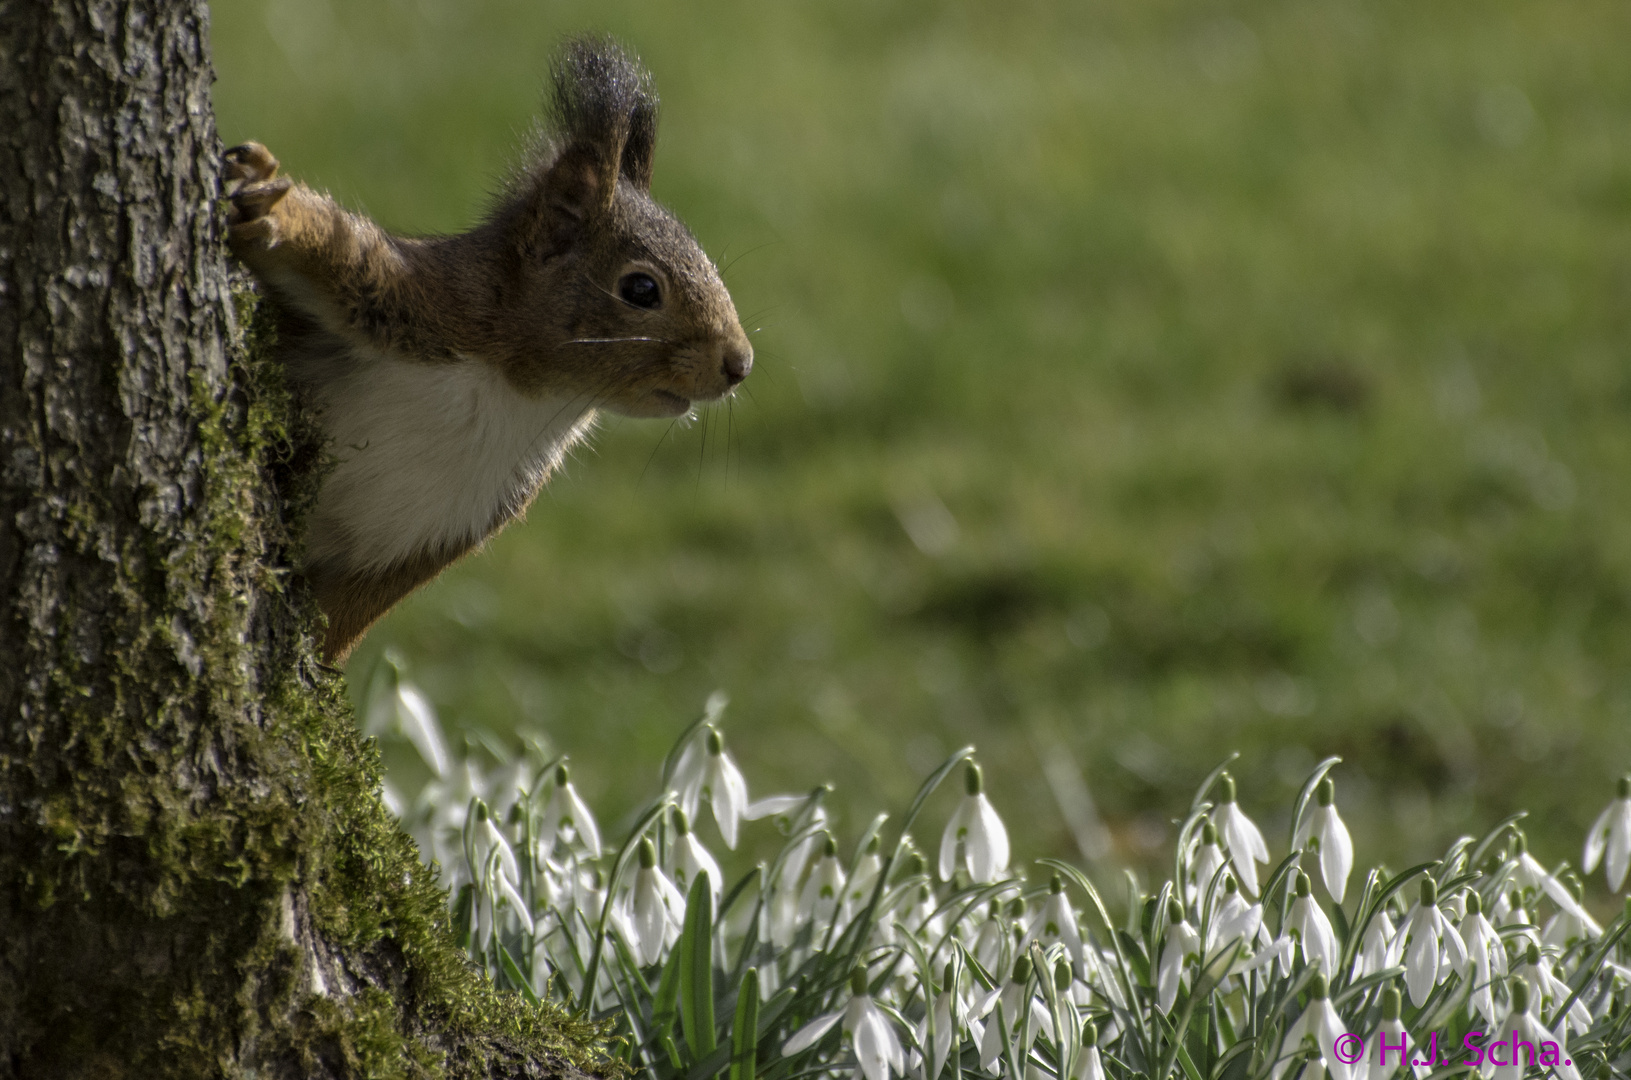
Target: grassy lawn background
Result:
[[1137, 381]]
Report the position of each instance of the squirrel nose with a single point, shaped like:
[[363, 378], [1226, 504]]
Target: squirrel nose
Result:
[[737, 362]]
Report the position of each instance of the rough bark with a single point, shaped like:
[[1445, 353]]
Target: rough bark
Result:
[[196, 875]]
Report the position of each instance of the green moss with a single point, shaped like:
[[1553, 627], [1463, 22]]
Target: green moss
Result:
[[213, 677]]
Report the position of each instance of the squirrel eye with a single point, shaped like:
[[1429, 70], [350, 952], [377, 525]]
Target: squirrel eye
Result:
[[640, 290]]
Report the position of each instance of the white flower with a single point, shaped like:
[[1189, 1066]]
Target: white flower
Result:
[[859, 890], [1209, 859], [991, 940], [489, 843], [1235, 922], [1181, 941], [1398, 1052], [1381, 947], [410, 713], [1487, 952], [656, 908], [1546, 988], [1089, 1066], [1336, 848], [975, 827], [1056, 922], [1313, 930], [567, 810], [1530, 874], [923, 918], [824, 891], [691, 858], [1321, 1022], [1522, 1027], [1241, 838], [877, 1048], [1022, 1014], [1428, 933], [1610, 835], [944, 1024], [706, 771]]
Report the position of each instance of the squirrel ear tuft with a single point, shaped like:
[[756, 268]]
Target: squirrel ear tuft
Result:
[[603, 122], [603, 99]]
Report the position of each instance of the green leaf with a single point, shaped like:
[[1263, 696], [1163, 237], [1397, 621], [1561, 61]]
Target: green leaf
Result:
[[513, 971], [463, 911], [745, 1029], [666, 1004], [696, 981]]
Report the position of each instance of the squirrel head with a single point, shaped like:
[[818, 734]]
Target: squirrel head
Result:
[[606, 296]]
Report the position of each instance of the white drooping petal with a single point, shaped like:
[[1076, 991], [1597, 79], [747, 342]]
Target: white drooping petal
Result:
[[656, 910], [1244, 843], [808, 1035], [1181, 941], [987, 843], [1379, 949], [727, 794], [690, 859], [876, 1047], [494, 842], [582, 821], [1319, 940], [416, 719], [1336, 850], [956, 829], [513, 898], [1421, 956]]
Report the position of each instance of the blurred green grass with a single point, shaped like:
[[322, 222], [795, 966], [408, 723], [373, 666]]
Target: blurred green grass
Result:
[[1143, 380]]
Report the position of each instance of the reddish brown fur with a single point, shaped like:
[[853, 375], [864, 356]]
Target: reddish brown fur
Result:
[[531, 292]]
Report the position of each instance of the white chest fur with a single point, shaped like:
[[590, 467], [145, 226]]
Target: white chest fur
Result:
[[430, 456]]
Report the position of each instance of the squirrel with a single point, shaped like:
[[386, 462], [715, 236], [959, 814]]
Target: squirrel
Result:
[[452, 374]]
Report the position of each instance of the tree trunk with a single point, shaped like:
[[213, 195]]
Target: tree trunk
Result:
[[197, 877]]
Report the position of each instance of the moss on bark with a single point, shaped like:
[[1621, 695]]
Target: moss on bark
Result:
[[199, 877]]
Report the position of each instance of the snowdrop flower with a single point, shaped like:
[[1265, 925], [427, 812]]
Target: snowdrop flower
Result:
[[489, 843], [656, 908], [1567, 927], [1391, 1029], [1241, 838], [1610, 835], [567, 811], [859, 890], [1381, 947], [877, 1048], [1531, 875], [1428, 933], [1521, 1025], [1089, 1066], [824, 891], [991, 940], [976, 828], [691, 858], [1235, 921], [1321, 1023], [1487, 952], [1181, 941], [1205, 866], [1307, 921], [1057, 922], [923, 918], [407, 710], [1022, 1014], [944, 1024], [1336, 848], [1547, 989], [712, 774]]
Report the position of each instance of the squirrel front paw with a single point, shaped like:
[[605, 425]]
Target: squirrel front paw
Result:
[[253, 188]]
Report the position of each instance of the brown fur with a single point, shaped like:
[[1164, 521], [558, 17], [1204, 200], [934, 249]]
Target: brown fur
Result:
[[533, 292]]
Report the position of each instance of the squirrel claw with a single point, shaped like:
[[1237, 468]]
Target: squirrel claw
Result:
[[253, 201]]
